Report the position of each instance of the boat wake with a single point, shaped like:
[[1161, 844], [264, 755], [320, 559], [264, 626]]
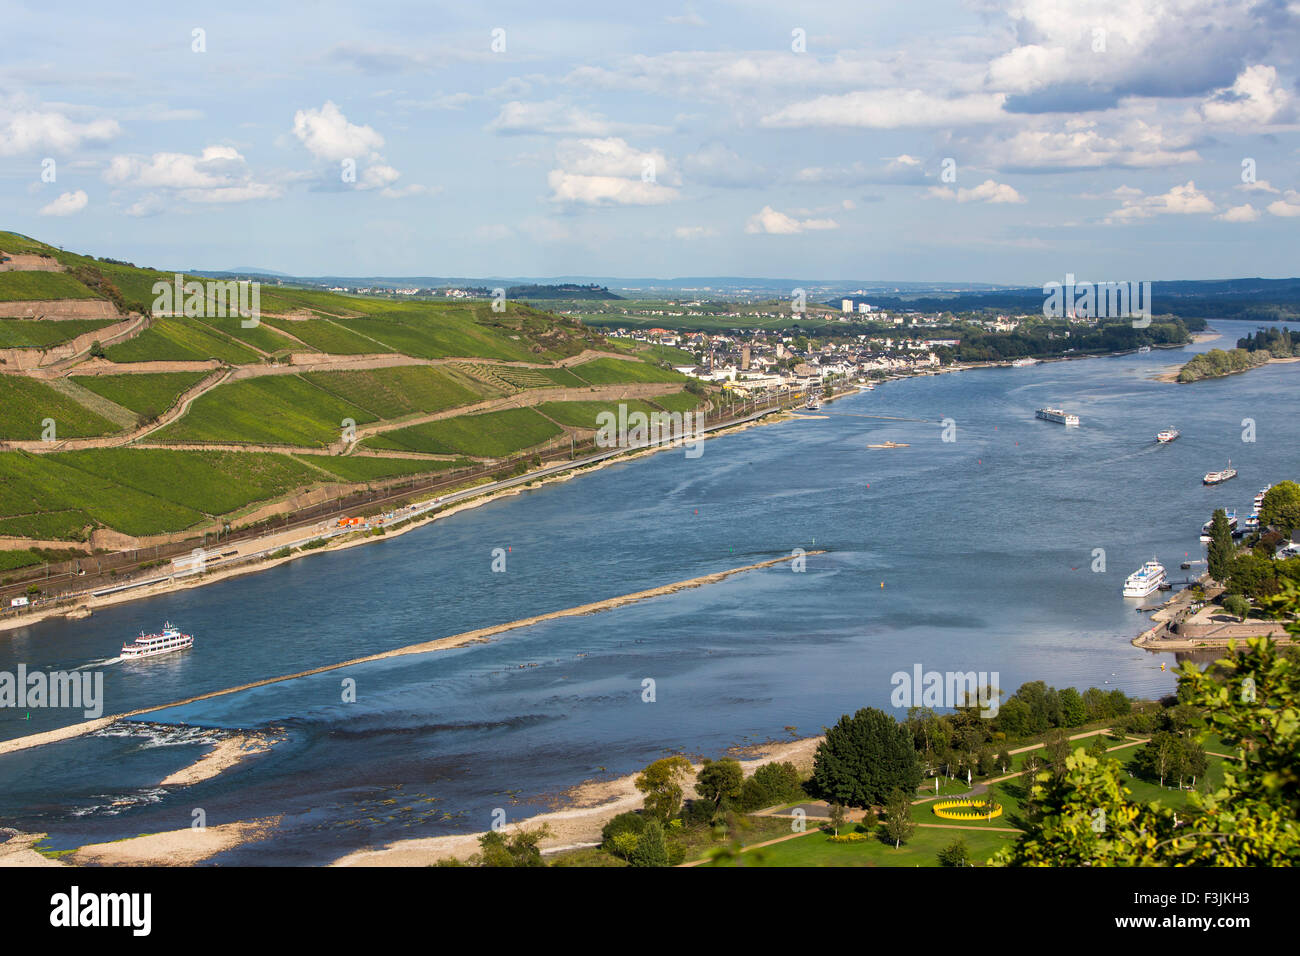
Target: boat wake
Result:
[[101, 663]]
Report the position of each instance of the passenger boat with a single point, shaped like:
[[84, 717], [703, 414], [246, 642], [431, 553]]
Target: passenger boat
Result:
[[1058, 416], [151, 645], [1219, 477], [1024, 362], [1168, 435], [1145, 579]]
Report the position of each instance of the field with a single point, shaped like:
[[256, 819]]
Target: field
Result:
[[274, 409], [20, 286], [262, 337], [26, 403], [325, 335], [584, 414], [180, 340], [358, 468], [680, 402], [437, 336], [493, 435], [610, 371], [397, 391], [815, 849], [40, 334], [147, 395]]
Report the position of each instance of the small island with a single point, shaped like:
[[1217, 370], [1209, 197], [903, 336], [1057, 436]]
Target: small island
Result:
[[1251, 352]]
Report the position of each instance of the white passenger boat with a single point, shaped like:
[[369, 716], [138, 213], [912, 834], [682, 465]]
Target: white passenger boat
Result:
[[151, 645], [1145, 579], [1058, 416]]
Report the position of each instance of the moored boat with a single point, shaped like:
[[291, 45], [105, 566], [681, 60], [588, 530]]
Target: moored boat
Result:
[[1232, 525], [1145, 579]]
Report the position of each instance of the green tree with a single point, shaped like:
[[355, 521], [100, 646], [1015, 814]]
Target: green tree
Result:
[[651, 849], [864, 758], [661, 782], [1281, 507], [1236, 605], [955, 854], [1073, 711], [519, 849], [720, 781], [1004, 760], [837, 816], [1220, 551], [899, 824]]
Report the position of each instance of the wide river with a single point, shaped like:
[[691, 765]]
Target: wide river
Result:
[[972, 554]]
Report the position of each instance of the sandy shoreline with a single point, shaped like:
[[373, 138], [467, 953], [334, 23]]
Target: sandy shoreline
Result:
[[586, 808], [221, 757]]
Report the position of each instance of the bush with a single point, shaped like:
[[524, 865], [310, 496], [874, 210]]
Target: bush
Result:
[[651, 850], [631, 824], [1236, 605], [954, 854]]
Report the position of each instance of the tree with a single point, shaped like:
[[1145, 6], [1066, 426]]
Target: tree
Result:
[[1073, 711], [899, 824], [1057, 749], [1221, 550], [838, 817], [864, 758], [1248, 699], [1237, 606], [1004, 760], [651, 850], [720, 781], [519, 849], [1015, 719], [954, 854], [661, 782], [1281, 507], [771, 784]]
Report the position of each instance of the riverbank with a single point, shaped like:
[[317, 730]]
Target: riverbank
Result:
[[583, 811], [83, 607]]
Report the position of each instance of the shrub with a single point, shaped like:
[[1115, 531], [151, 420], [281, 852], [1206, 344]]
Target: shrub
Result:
[[631, 824], [954, 854]]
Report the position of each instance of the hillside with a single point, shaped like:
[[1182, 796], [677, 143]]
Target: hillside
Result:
[[120, 428]]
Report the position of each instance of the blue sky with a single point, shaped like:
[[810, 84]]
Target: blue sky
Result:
[[1104, 138]]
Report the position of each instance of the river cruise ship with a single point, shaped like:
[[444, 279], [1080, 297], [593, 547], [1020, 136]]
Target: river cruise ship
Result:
[[1145, 579], [1058, 416], [151, 645]]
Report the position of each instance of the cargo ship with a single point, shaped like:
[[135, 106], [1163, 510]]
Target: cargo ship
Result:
[[1057, 415], [151, 645], [1219, 477]]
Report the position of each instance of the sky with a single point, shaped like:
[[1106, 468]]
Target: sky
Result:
[[974, 141]]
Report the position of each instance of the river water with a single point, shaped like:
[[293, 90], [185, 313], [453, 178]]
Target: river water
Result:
[[975, 554]]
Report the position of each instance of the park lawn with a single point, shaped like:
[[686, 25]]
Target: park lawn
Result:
[[23, 286], [922, 849], [492, 435], [41, 333], [360, 468], [272, 409], [148, 395], [180, 340], [326, 335], [25, 403], [612, 371], [678, 402], [1170, 796], [397, 391], [584, 414]]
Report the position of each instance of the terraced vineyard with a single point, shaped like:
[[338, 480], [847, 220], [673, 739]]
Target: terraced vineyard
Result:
[[443, 359]]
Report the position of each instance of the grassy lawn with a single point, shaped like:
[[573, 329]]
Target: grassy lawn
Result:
[[492, 435], [147, 395], [274, 409], [25, 403], [815, 849]]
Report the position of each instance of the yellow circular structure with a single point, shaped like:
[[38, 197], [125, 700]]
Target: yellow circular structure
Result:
[[965, 808]]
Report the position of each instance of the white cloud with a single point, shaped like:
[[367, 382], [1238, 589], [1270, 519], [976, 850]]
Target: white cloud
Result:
[[1181, 200], [890, 109], [1082, 146], [609, 172], [1288, 207], [768, 220], [694, 232], [328, 135], [67, 204], [1254, 99], [557, 118], [219, 174], [1243, 213], [901, 170], [987, 191], [30, 131]]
